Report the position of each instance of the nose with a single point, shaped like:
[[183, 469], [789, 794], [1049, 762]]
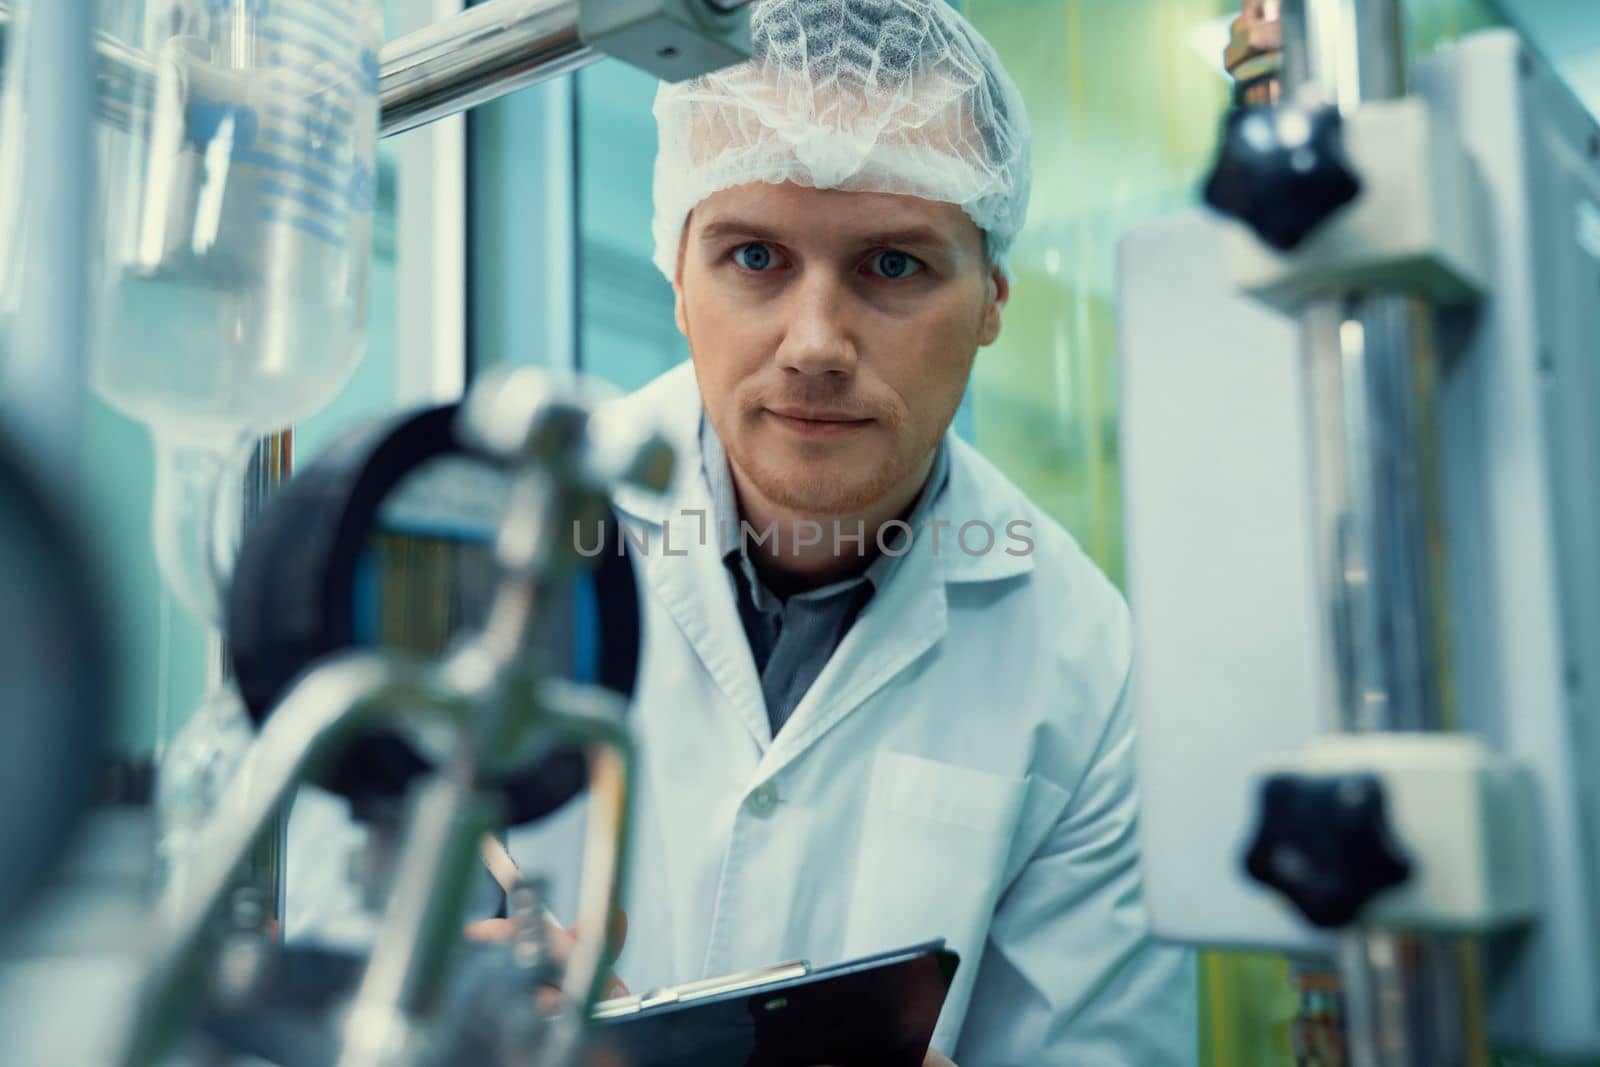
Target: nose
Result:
[[817, 340]]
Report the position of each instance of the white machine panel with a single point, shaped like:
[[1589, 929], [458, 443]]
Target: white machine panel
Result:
[[1220, 574], [1219, 541]]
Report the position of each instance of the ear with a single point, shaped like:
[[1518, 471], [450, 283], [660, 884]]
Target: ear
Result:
[[999, 294]]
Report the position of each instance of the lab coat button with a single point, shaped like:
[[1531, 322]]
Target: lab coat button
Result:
[[763, 801]]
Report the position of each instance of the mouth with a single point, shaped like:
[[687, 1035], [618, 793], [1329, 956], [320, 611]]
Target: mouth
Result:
[[817, 423]]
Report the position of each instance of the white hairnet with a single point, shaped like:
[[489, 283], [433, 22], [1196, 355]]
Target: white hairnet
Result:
[[885, 96]]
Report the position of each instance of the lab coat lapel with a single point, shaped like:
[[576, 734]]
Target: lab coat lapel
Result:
[[691, 582], [695, 589], [902, 622]]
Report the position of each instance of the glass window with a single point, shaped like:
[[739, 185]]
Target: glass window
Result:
[[1124, 101], [627, 331]]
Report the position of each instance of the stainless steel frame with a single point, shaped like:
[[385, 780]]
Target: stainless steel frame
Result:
[[493, 702], [1371, 373], [487, 694], [270, 466], [484, 52], [431, 263], [46, 365]]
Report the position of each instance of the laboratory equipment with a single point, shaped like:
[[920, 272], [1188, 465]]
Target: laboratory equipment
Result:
[[487, 713], [136, 92], [57, 659], [387, 540], [238, 150], [1382, 445], [230, 283], [490, 49], [45, 168], [60, 656], [237, 221]]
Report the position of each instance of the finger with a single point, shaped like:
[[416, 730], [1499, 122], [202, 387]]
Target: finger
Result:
[[619, 928], [560, 941], [490, 930], [499, 862], [604, 1058]]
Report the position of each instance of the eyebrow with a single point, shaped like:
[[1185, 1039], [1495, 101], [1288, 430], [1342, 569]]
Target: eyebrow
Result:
[[914, 236]]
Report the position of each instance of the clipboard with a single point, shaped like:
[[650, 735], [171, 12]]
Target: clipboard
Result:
[[878, 1011]]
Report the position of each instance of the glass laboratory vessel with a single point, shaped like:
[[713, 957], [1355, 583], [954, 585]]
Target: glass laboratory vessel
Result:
[[237, 151], [237, 227]]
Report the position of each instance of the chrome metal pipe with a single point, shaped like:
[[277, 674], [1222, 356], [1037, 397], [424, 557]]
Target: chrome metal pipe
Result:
[[484, 52], [1370, 362], [312, 726], [45, 367], [1402, 1000], [596, 718], [1371, 378], [410, 963], [266, 872], [1348, 51], [1369, 359], [468, 59], [404, 979]]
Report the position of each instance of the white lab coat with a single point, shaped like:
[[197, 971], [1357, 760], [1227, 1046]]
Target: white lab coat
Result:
[[962, 768]]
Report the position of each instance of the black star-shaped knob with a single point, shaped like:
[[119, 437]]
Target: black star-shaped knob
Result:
[[1326, 844], [1282, 170]]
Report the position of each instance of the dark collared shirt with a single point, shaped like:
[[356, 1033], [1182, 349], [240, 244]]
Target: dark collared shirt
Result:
[[793, 638]]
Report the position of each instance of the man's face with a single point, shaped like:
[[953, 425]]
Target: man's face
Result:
[[833, 334]]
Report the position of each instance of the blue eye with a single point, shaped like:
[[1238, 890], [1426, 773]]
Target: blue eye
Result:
[[754, 257], [894, 265]]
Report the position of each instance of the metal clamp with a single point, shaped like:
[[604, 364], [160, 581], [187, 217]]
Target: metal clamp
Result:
[[1419, 225], [672, 39], [1463, 816], [491, 699]]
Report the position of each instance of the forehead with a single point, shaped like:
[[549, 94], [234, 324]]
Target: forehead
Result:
[[801, 214]]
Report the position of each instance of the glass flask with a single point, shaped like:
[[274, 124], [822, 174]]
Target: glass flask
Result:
[[238, 158], [237, 226]]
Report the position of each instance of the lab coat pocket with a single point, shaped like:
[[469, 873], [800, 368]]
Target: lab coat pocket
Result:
[[934, 843]]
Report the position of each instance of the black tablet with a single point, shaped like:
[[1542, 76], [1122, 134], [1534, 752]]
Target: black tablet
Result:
[[873, 1012]]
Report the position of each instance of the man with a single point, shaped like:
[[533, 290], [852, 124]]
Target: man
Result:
[[882, 696]]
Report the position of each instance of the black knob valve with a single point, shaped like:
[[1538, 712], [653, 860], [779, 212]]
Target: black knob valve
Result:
[[1282, 170], [1326, 844]]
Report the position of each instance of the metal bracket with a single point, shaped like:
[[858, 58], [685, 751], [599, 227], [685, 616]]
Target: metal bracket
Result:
[[1465, 816], [1420, 224], [672, 39]]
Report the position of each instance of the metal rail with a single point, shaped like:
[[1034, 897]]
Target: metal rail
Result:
[[481, 54], [468, 59], [1372, 386]]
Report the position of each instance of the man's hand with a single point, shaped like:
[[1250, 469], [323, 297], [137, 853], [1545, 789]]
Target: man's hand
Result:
[[504, 870], [561, 942]]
